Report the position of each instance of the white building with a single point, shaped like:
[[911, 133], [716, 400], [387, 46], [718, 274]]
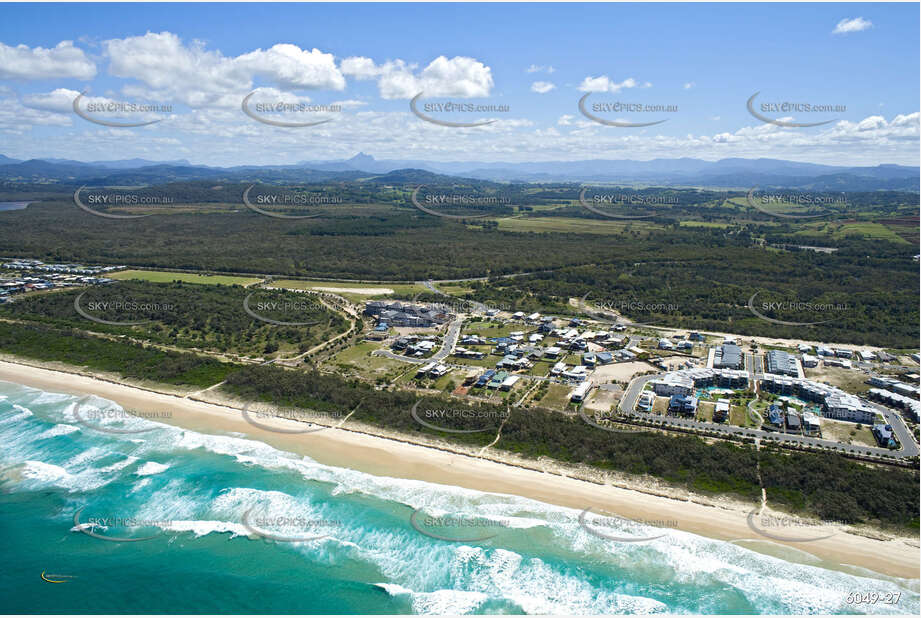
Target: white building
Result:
[[579, 393], [509, 382]]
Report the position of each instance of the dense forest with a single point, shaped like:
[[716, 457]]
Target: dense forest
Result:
[[706, 275], [862, 298], [208, 317], [134, 361]]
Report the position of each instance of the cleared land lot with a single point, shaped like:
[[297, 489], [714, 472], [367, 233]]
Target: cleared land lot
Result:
[[566, 224], [355, 292], [846, 432], [557, 396], [620, 372], [602, 400], [850, 380]]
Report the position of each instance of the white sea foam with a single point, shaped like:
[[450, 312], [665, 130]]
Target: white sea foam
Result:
[[23, 413], [45, 397], [119, 465], [151, 467], [201, 528], [43, 473], [448, 602], [61, 429]]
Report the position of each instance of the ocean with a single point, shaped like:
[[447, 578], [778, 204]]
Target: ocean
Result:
[[103, 513]]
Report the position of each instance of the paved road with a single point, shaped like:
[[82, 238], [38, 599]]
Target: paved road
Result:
[[909, 446], [905, 437], [430, 286], [450, 340], [475, 306]]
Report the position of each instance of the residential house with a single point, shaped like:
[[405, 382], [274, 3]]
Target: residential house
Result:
[[721, 411], [685, 405]]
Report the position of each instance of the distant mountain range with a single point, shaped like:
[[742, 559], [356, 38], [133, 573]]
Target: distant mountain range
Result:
[[726, 173]]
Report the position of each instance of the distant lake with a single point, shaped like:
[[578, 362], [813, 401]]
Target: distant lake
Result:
[[13, 205]]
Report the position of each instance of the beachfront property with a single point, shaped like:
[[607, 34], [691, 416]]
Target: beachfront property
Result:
[[775, 418], [646, 401], [721, 411], [577, 374], [509, 382], [835, 403], [884, 436], [683, 405], [579, 393], [812, 424]]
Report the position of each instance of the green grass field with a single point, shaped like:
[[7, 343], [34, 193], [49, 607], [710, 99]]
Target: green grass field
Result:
[[867, 229], [557, 397], [161, 276], [705, 224]]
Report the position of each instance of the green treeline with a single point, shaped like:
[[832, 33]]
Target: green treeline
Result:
[[189, 315], [134, 361], [825, 485]]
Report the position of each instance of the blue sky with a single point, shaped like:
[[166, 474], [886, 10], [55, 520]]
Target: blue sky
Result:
[[706, 60]]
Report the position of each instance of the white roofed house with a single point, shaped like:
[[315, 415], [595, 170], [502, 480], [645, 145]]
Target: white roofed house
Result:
[[509, 382], [579, 394], [721, 411], [673, 384], [438, 370], [578, 373]]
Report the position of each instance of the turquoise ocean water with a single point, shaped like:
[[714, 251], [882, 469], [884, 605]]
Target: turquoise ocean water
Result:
[[231, 525]]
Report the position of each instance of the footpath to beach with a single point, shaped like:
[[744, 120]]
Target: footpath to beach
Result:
[[389, 456]]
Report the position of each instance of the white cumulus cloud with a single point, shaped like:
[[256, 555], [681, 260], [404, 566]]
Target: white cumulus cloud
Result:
[[460, 76], [542, 87], [846, 26], [62, 60], [606, 84], [197, 76]]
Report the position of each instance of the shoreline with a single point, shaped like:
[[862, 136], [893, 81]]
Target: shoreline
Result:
[[397, 456]]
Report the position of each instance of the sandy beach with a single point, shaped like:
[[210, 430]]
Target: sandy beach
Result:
[[389, 457]]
